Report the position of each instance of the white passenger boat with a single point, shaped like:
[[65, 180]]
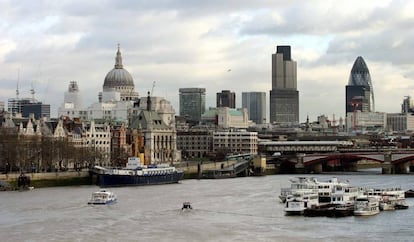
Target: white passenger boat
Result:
[[102, 197], [344, 195], [366, 205], [298, 184], [388, 197], [323, 188], [327, 188], [298, 202]]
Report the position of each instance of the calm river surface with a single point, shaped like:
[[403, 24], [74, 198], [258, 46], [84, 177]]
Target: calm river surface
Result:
[[239, 209]]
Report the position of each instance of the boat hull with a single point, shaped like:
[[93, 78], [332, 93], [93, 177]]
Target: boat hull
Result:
[[114, 180], [102, 203]]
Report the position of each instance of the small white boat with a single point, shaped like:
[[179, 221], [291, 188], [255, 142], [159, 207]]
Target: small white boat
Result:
[[366, 205], [102, 197]]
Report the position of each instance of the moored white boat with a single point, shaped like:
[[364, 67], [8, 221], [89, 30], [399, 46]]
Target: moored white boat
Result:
[[298, 184], [366, 205], [298, 202], [102, 197], [324, 188]]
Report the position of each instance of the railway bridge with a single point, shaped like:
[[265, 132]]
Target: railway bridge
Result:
[[317, 156]]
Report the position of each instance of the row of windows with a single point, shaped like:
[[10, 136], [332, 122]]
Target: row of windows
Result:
[[98, 142], [194, 138], [98, 135]]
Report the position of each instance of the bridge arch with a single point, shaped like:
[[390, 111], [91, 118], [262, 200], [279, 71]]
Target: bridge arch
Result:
[[401, 159], [310, 160]]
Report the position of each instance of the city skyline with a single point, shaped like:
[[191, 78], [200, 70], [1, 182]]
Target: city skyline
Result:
[[217, 46]]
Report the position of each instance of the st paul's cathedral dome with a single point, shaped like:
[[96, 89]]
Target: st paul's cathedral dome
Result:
[[120, 80]]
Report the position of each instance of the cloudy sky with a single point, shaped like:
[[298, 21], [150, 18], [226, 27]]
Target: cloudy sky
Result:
[[47, 44]]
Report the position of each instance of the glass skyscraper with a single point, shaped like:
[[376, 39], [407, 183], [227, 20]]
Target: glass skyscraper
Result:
[[255, 103], [359, 91], [226, 98], [192, 103]]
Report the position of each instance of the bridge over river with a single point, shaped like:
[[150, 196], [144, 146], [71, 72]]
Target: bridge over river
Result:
[[317, 156]]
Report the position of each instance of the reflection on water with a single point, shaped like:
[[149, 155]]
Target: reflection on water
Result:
[[239, 209]]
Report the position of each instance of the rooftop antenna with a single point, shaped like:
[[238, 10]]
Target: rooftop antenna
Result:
[[152, 90], [17, 87], [32, 91]]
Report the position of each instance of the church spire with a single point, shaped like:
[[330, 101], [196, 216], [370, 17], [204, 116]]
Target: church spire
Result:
[[118, 59]]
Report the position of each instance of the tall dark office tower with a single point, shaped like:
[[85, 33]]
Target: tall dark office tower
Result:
[[255, 103], [226, 98], [359, 91], [284, 96], [192, 103]]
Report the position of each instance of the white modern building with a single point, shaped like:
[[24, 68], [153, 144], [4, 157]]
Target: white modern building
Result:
[[224, 117], [400, 122], [363, 122]]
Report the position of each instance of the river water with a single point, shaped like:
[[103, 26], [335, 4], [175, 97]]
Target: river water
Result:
[[239, 209]]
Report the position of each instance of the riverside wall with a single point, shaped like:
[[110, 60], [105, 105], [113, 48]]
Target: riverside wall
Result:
[[192, 169]]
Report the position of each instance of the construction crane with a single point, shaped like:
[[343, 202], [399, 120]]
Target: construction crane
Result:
[[356, 101], [334, 126]]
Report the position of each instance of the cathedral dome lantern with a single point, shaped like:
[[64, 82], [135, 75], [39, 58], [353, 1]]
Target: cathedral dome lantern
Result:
[[120, 80]]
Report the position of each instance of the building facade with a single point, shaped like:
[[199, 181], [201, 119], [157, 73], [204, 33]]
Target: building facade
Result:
[[365, 122], [39, 110], [226, 118], [400, 122], [284, 96], [226, 98], [235, 142], [192, 103], [72, 106], [26, 106], [195, 143], [255, 103]]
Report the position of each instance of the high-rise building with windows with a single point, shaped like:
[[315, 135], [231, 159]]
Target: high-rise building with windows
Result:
[[284, 96], [226, 98], [255, 103], [27, 106], [38, 110], [192, 103], [359, 91]]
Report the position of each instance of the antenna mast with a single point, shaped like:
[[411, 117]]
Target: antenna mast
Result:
[[32, 91], [17, 87], [152, 90]]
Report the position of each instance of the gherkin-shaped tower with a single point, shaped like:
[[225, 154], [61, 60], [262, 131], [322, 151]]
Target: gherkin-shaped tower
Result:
[[359, 89]]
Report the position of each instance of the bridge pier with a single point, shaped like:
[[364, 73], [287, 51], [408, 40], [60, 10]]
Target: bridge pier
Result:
[[317, 168], [299, 166], [403, 168], [350, 167], [387, 168]]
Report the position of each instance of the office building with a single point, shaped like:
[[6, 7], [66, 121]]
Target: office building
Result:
[[235, 141], [359, 91], [192, 103], [39, 110], [226, 98], [284, 96], [255, 103], [226, 118]]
